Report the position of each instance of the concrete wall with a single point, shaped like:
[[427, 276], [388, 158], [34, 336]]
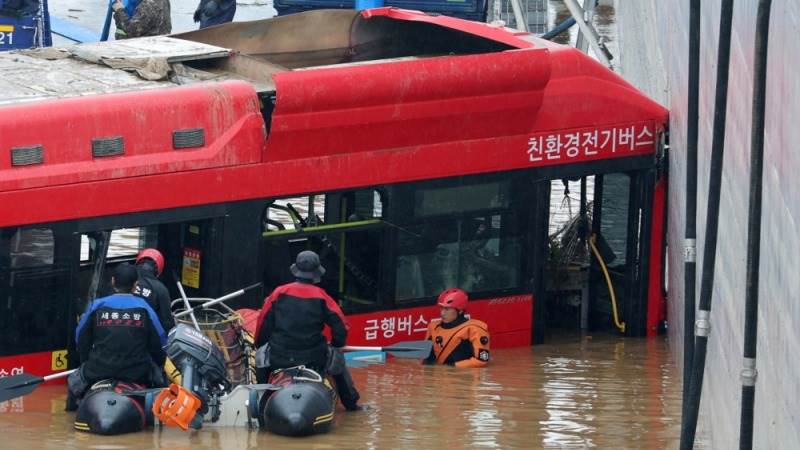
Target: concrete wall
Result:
[[654, 40]]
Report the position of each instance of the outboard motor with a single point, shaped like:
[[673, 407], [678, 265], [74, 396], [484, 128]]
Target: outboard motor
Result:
[[203, 374]]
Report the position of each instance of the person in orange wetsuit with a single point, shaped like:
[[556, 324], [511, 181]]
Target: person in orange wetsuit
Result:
[[457, 340]]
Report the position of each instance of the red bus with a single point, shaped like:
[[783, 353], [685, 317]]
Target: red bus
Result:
[[413, 153]]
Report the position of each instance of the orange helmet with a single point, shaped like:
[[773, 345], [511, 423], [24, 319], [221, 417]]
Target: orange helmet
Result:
[[155, 255], [453, 298]]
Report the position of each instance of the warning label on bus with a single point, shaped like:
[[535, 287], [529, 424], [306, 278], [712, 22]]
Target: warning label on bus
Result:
[[190, 273]]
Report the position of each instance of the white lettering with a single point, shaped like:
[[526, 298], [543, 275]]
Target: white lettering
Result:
[[421, 321], [404, 324], [387, 325], [371, 331], [535, 149], [572, 144], [626, 137], [553, 147], [645, 137]]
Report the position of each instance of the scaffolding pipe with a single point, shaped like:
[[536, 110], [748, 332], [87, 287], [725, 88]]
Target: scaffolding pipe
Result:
[[749, 372], [522, 24], [703, 321], [588, 30], [690, 242], [582, 43]]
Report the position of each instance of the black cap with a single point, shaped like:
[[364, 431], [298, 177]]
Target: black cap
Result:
[[307, 266], [125, 276]]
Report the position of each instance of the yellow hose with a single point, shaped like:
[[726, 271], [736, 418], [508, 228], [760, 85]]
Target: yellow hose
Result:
[[617, 323]]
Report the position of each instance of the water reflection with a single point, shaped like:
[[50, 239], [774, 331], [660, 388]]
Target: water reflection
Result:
[[573, 392]]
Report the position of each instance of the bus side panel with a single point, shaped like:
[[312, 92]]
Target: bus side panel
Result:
[[39, 364], [159, 131], [508, 319]]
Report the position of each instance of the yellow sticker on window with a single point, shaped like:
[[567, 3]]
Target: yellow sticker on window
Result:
[[190, 275], [58, 360]]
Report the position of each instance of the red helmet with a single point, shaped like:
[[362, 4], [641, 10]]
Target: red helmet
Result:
[[155, 255], [453, 298]]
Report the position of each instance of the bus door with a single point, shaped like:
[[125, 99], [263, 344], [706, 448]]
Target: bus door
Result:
[[620, 262], [190, 249], [597, 269]]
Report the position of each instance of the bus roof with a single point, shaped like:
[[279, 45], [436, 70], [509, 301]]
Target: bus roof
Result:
[[346, 99]]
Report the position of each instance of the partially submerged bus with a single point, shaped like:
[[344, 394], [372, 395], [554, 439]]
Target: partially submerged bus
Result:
[[413, 153]]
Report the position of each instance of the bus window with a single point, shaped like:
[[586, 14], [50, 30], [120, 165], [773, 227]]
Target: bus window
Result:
[[32, 247], [458, 199], [464, 236], [119, 245], [294, 213], [614, 220], [124, 242], [33, 292], [477, 254], [344, 228]]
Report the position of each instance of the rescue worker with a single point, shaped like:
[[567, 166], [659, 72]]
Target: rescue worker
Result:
[[291, 322], [214, 12], [457, 340], [119, 337], [141, 18], [150, 265]]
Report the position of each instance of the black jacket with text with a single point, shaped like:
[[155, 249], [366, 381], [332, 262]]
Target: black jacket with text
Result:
[[120, 337]]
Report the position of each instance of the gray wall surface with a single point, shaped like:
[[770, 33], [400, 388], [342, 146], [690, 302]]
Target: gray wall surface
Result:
[[654, 41]]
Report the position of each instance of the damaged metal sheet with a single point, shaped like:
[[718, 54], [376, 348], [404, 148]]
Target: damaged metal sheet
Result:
[[24, 78], [159, 47], [117, 66], [149, 57]]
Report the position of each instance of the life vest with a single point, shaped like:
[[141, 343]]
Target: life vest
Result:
[[465, 345]]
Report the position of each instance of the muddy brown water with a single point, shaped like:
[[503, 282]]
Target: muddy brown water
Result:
[[573, 392]]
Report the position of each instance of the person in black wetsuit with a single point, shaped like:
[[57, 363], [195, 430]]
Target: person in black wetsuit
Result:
[[150, 264], [119, 337]]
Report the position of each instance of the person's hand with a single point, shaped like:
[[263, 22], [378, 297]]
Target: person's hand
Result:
[[117, 5]]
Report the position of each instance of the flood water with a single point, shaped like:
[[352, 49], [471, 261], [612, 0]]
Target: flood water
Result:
[[573, 392]]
